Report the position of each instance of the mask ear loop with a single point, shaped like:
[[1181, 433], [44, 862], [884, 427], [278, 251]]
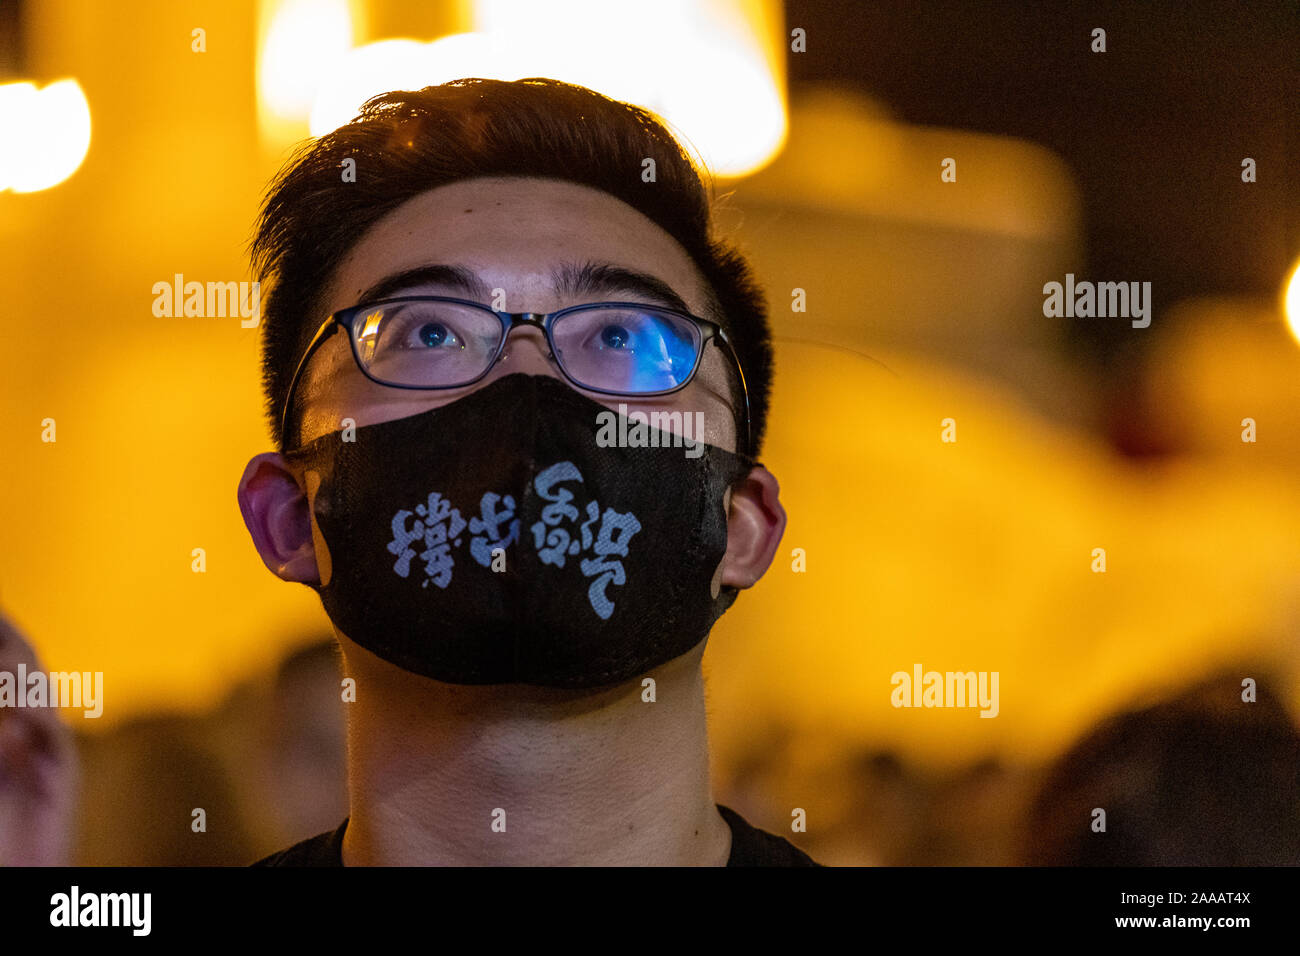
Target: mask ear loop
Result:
[[721, 335], [744, 390], [324, 332], [834, 346]]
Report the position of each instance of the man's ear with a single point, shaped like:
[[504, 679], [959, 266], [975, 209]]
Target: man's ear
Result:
[[755, 524], [276, 512]]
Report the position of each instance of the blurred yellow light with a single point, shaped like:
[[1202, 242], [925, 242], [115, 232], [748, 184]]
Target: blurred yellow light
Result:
[[396, 65], [1291, 301], [44, 134], [303, 43], [372, 324], [714, 69]]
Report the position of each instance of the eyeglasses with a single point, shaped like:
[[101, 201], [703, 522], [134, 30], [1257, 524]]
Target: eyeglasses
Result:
[[437, 342]]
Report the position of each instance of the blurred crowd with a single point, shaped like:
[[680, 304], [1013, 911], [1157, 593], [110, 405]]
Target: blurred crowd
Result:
[[1200, 778], [267, 767]]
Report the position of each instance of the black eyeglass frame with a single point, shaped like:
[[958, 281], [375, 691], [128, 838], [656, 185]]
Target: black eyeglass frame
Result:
[[345, 318]]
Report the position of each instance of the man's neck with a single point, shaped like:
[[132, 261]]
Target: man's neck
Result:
[[443, 774]]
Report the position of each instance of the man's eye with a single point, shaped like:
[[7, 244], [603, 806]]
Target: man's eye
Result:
[[436, 335], [615, 337]]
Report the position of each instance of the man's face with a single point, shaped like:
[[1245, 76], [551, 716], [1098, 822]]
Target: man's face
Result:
[[512, 233]]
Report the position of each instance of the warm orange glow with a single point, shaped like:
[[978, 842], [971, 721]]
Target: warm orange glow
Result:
[[977, 555], [968, 555]]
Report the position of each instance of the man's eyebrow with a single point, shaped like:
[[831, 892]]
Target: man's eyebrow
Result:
[[573, 281], [569, 280], [455, 278]]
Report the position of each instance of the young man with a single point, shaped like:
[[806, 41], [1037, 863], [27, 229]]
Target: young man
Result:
[[517, 389]]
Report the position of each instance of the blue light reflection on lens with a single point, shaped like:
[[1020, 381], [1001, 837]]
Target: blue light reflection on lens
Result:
[[663, 354]]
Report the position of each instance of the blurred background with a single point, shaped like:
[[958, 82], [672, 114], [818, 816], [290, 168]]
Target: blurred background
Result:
[[136, 140]]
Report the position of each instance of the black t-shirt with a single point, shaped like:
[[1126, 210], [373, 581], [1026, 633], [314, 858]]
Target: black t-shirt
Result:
[[750, 846]]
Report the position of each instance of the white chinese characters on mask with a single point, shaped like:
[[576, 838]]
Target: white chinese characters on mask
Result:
[[601, 538]]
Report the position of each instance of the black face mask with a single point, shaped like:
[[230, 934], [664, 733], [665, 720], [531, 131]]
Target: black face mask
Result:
[[493, 540]]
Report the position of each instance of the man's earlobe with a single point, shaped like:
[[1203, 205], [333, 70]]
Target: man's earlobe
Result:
[[277, 516], [755, 524]]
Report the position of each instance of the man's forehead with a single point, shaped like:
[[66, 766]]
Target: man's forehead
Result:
[[568, 281], [474, 236]]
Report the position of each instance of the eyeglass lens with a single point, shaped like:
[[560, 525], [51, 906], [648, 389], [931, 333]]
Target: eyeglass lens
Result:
[[444, 344]]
